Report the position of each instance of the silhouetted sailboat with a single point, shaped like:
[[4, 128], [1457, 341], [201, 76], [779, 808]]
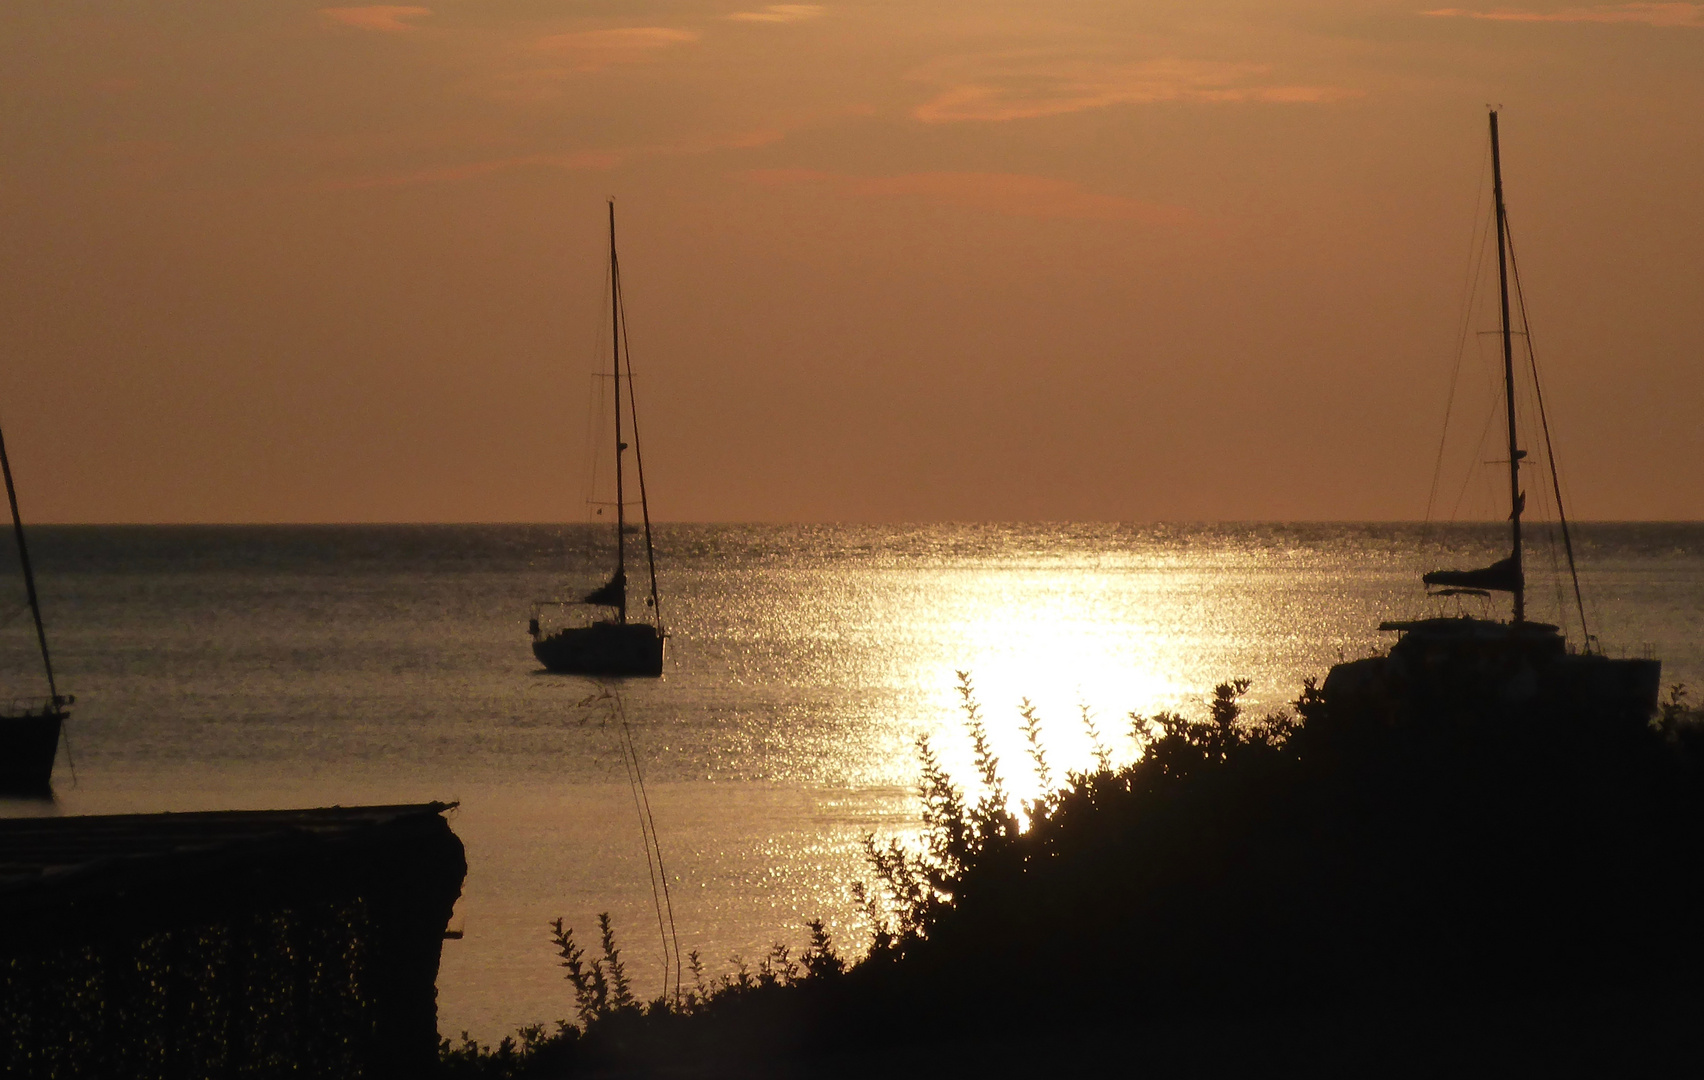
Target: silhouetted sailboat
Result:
[[29, 727], [612, 644], [1470, 663]]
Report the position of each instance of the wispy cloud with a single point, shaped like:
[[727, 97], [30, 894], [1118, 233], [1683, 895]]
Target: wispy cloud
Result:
[[586, 160], [1010, 194], [386, 18], [780, 13], [578, 161], [709, 144], [1021, 86], [592, 50], [1648, 14]]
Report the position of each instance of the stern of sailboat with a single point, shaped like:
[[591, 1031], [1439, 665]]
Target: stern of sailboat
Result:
[[30, 733]]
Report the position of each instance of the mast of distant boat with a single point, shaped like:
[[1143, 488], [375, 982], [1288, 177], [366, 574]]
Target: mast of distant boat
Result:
[[1515, 454], [620, 447], [29, 573]]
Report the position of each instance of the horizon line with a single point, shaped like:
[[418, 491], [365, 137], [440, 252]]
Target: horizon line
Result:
[[840, 521]]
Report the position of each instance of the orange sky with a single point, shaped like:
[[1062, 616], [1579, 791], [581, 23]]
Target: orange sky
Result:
[[266, 261]]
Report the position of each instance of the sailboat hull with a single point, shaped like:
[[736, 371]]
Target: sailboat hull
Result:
[[1465, 666], [604, 648], [28, 742]]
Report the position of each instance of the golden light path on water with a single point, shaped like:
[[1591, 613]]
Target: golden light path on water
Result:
[[1119, 634], [1043, 636]]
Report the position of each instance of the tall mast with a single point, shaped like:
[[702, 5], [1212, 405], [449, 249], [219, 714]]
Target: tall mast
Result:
[[1515, 453], [29, 574], [615, 351]]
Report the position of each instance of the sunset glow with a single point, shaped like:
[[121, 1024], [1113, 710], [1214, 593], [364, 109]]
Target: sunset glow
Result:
[[934, 261]]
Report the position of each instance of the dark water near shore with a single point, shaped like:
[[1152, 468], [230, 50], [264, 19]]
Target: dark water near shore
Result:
[[299, 666]]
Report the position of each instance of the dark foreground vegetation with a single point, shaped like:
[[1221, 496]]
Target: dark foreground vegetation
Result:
[[1482, 888]]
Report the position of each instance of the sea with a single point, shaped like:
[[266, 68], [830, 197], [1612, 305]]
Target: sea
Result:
[[226, 667]]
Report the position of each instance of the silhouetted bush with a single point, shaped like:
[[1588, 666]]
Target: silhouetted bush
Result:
[[1237, 867]]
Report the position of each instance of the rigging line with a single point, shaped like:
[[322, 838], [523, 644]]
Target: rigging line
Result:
[[1478, 452], [593, 451], [639, 466], [1594, 610], [70, 762], [1475, 267], [630, 759], [1493, 390], [1544, 514], [29, 574], [662, 874], [592, 445], [1555, 564], [647, 831], [1549, 447]]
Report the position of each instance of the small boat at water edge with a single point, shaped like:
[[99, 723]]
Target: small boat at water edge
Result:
[[29, 741], [612, 643], [1466, 665], [30, 728]]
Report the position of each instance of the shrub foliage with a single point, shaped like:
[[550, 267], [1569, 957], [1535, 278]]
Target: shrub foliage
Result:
[[1235, 862]]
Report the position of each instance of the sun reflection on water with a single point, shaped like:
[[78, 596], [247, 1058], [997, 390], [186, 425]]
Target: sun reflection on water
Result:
[[1116, 628]]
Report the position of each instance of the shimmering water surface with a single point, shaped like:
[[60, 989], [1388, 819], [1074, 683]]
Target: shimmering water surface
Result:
[[225, 667]]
